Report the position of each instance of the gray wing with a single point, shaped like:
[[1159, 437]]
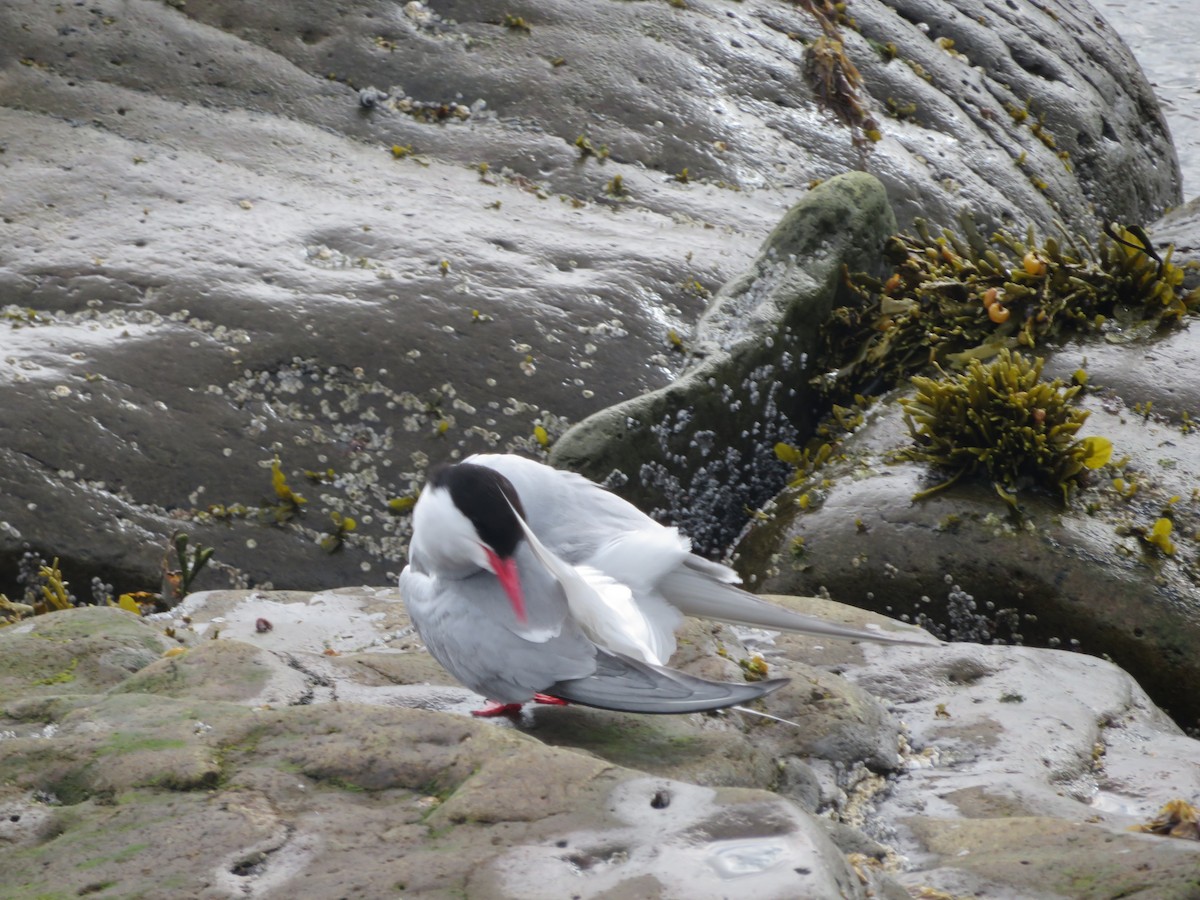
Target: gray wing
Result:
[[629, 685], [469, 627]]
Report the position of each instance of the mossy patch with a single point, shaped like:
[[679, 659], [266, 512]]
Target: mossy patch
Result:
[[89, 649], [66, 675], [213, 670], [121, 856], [126, 742]]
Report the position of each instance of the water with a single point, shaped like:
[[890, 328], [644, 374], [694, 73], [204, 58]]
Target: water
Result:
[[1157, 32]]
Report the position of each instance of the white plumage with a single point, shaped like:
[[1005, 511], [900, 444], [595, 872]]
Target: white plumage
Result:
[[525, 579]]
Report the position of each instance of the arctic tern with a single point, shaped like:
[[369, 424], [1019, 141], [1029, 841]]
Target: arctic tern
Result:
[[532, 583]]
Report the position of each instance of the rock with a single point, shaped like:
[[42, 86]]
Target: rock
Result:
[[1181, 227], [1011, 770], [700, 450], [223, 670], [358, 797], [1024, 754], [226, 230], [78, 651], [1052, 857], [652, 856], [1077, 575]]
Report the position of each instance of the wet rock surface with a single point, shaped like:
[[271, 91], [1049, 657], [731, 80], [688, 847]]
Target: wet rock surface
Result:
[[237, 237], [1083, 575], [700, 450], [232, 235], [957, 768]]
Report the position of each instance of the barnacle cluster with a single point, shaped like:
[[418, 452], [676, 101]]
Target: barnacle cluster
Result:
[[1001, 419], [953, 298]]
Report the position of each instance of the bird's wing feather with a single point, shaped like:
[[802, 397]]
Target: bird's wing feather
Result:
[[603, 607], [608, 614], [586, 526], [629, 685], [640, 560], [573, 516], [695, 594], [578, 519]]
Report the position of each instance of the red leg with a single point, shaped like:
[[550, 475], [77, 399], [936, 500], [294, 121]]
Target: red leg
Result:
[[497, 709], [512, 709]]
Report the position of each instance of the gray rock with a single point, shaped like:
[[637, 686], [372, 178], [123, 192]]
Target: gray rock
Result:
[[1021, 785], [214, 257], [344, 797], [82, 651], [1078, 576], [1013, 770], [700, 450]]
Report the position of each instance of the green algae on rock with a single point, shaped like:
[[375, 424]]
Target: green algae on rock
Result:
[[1002, 419], [74, 651]]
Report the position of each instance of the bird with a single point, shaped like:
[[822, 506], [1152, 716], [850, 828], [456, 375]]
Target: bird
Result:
[[531, 583]]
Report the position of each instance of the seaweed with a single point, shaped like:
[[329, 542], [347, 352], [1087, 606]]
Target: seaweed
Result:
[[1001, 419], [833, 76], [342, 526], [288, 503], [177, 583], [950, 299], [46, 590]]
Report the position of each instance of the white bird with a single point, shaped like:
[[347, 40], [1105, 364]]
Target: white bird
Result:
[[529, 582]]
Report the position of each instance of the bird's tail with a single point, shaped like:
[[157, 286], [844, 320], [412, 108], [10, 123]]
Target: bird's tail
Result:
[[694, 592], [629, 685]]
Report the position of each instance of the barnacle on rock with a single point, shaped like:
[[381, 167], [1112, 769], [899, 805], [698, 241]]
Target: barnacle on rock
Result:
[[1002, 420], [953, 298]]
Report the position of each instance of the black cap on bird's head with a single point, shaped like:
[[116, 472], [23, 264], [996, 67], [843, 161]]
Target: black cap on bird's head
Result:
[[490, 503]]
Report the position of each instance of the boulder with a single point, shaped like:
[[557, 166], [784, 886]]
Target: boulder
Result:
[[361, 242], [1083, 575], [700, 451]]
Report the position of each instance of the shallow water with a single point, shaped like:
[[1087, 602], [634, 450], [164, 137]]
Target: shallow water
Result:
[[1159, 34]]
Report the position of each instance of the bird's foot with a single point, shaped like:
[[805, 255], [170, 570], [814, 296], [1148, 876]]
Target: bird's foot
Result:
[[498, 709], [514, 709]]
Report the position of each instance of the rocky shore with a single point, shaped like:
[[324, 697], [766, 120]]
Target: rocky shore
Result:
[[330, 755], [259, 268]]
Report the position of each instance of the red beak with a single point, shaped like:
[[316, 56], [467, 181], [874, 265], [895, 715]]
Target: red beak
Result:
[[506, 571]]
